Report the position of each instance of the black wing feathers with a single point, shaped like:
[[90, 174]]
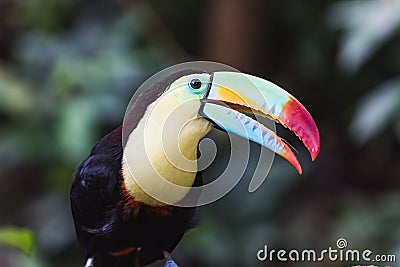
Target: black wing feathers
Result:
[[95, 190]]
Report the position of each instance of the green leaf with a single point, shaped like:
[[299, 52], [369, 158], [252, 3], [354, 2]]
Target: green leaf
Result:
[[20, 238]]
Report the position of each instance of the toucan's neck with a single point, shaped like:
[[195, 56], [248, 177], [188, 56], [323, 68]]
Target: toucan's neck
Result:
[[162, 152]]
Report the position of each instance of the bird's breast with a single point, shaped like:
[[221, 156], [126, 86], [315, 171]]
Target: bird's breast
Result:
[[160, 157]]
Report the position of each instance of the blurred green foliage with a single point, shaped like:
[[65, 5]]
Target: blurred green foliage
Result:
[[376, 111], [367, 26], [68, 69], [16, 237]]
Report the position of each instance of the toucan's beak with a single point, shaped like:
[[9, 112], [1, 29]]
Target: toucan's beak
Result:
[[230, 93]]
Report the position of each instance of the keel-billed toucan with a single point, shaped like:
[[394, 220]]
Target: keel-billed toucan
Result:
[[119, 216]]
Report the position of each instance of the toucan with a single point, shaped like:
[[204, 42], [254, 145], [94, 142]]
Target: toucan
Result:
[[124, 214]]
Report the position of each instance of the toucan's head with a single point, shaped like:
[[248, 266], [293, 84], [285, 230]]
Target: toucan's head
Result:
[[170, 117]]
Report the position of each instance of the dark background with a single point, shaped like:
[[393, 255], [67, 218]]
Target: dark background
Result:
[[69, 67]]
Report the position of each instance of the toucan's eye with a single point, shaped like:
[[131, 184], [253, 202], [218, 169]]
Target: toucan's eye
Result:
[[195, 84]]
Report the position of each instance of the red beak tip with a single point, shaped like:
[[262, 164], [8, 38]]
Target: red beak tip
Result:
[[300, 121], [314, 153]]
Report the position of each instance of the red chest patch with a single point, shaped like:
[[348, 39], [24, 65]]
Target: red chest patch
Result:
[[132, 207]]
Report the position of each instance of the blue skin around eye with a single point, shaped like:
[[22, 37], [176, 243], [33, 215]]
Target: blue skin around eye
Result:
[[200, 90]]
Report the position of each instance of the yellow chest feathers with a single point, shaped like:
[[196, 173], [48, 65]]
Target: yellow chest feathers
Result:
[[160, 157]]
